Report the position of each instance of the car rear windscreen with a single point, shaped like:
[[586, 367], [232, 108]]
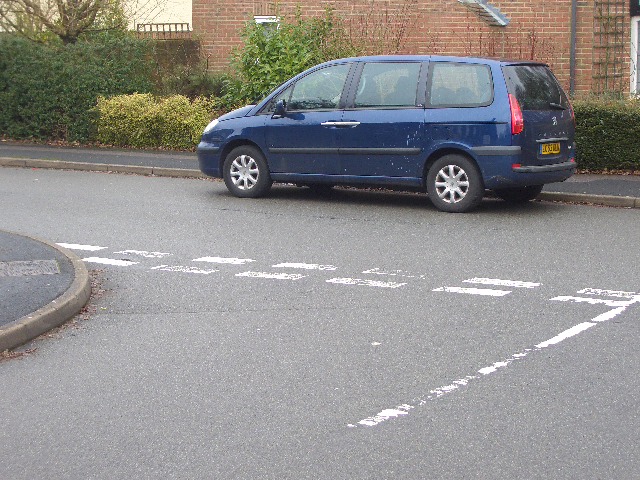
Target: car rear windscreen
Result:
[[535, 87]]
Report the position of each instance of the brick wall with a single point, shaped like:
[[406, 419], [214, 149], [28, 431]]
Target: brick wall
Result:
[[538, 29]]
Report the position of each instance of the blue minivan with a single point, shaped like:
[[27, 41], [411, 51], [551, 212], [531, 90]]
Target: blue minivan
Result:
[[451, 126]]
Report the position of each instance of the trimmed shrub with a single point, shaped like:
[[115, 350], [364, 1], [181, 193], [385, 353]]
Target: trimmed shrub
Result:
[[47, 91], [145, 121], [180, 122], [124, 120], [608, 134]]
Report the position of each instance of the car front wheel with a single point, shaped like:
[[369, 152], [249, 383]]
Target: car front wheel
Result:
[[454, 184], [246, 173]]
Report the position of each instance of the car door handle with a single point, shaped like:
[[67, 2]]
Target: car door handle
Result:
[[340, 124]]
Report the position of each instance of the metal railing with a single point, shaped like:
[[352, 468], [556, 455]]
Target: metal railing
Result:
[[163, 30]]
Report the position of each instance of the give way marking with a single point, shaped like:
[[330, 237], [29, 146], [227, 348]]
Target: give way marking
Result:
[[620, 306]]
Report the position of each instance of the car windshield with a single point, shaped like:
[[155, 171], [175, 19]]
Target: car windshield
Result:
[[535, 87]]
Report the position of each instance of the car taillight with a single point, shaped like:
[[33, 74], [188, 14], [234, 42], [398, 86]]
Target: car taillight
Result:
[[573, 113], [517, 120]]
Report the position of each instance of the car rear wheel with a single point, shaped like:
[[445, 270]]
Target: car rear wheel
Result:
[[246, 173], [519, 195], [454, 184]]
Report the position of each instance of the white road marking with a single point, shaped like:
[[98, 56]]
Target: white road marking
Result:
[[393, 273], [591, 301], [399, 411], [182, 269], [403, 409], [75, 246], [440, 391], [365, 283], [611, 314], [229, 261], [144, 254], [110, 261], [492, 368], [473, 291], [607, 293], [305, 266], [271, 276], [502, 283], [568, 333]]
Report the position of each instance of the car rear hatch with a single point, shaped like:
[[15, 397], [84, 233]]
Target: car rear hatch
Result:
[[548, 135]]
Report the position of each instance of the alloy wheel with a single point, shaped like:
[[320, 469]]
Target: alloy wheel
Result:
[[451, 183]]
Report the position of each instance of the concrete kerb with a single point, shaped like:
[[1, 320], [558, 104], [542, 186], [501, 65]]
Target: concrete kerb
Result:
[[54, 314], [605, 200], [101, 167]]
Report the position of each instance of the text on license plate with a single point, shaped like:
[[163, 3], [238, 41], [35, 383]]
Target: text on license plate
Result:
[[550, 148]]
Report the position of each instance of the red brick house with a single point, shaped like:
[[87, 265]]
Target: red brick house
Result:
[[592, 45]]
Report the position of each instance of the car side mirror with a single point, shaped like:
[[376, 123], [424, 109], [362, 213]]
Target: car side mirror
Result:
[[280, 109]]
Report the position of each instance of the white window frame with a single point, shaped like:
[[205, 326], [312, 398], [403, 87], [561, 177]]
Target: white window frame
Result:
[[266, 20], [635, 56]]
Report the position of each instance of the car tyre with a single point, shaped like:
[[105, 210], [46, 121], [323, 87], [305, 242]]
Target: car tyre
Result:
[[454, 184], [519, 195], [246, 173]]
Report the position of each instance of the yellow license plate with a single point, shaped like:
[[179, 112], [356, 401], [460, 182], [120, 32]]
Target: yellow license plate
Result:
[[550, 148]]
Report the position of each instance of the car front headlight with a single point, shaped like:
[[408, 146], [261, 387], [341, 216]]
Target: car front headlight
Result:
[[211, 126]]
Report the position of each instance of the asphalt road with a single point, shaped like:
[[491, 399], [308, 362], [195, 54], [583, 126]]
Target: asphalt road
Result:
[[361, 336]]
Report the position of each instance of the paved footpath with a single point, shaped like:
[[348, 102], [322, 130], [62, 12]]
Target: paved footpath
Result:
[[43, 285]]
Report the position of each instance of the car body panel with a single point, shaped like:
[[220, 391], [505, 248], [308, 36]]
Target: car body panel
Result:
[[388, 144], [302, 143]]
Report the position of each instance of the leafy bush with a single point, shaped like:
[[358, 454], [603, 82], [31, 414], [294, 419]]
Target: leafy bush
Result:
[[181, 69], [608, 134], [190, 81], [271, 56], [146, 121], [47, 91]]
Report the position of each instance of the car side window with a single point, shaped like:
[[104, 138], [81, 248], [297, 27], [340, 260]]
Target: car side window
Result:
[[459, 85], [387, 85], [320, 90], [284, 95]]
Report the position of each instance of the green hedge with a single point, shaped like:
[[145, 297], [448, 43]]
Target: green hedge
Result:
[[48, 91], [146, 121], [608, 134]]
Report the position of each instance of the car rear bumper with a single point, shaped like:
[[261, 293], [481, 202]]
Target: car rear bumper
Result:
[[508, 173], [556, 167]]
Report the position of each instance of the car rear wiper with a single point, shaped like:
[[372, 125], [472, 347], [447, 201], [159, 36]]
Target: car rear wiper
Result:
[[557, 106]]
